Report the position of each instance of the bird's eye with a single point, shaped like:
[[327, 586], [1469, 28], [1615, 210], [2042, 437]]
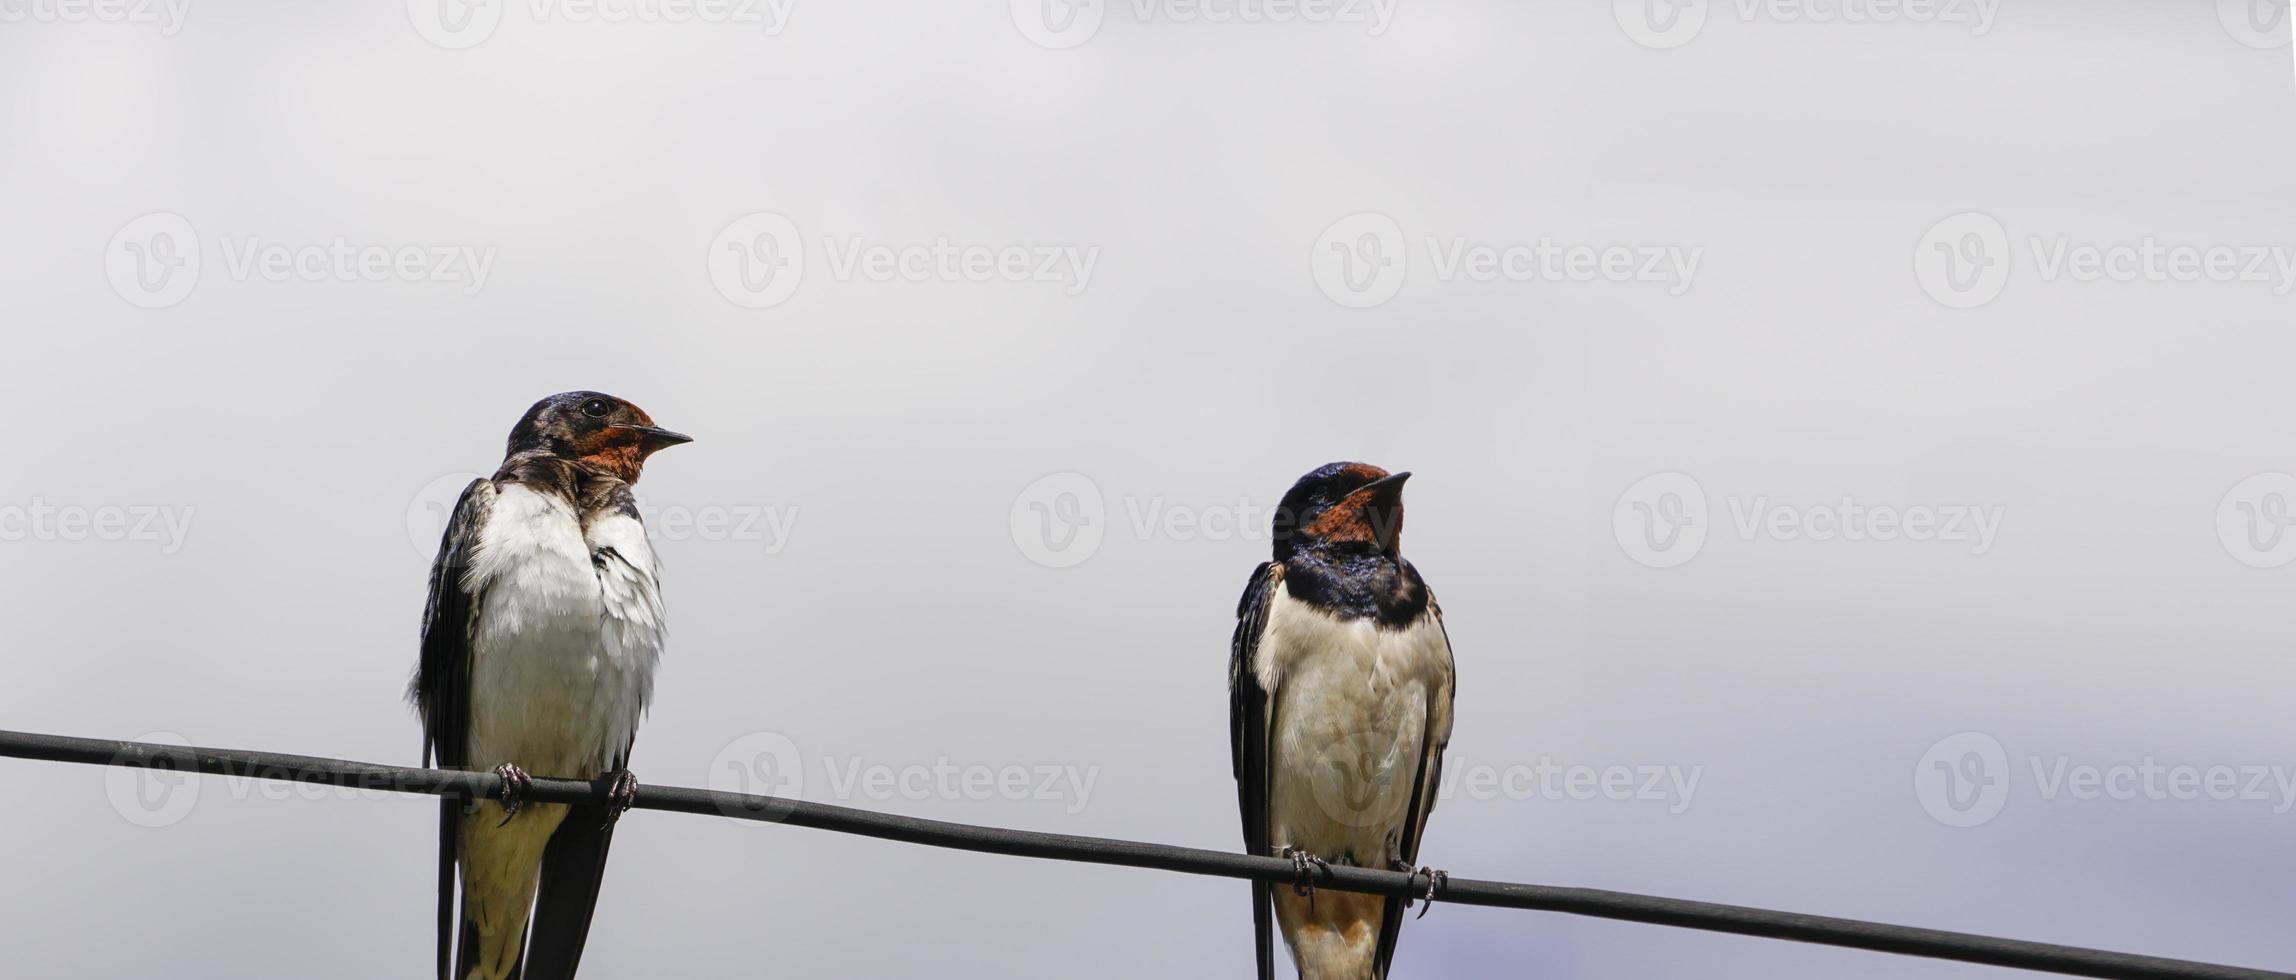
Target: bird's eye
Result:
[[595, 408]]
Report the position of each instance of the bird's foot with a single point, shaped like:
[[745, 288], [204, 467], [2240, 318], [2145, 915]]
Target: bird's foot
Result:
[[1305, 867], [515, 783], [621, 793], [1437, 880]]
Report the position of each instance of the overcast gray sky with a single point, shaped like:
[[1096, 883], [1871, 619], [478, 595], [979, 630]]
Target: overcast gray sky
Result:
[[1833, 438]]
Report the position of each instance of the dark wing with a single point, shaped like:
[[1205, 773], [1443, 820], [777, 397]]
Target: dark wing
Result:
[[1248, 708], [573, 866], [441, 688], [1432, 741]]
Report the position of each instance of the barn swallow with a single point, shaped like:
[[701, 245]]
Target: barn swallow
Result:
[[1340, 690], [539, 644]]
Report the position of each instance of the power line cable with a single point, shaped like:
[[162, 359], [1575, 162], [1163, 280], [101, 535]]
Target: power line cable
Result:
[[1680, 913]]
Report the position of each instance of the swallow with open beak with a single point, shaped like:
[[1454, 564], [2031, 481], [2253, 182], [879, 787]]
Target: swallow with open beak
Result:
[[1340, 689], [539, 644]]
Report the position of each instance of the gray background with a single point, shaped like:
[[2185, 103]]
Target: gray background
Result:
[[902, 620]]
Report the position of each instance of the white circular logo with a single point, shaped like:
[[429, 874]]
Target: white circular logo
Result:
[[2253, 520], [1058, 521], [1359, 261], [1661, 520], [1359, 778], [153, 261], [432, 509], [1963, 780], [2256, 23], [455, 24], [1058, 24], [1660, 24], [1963, 261], [158, 795], [759, 764], [757, 261]]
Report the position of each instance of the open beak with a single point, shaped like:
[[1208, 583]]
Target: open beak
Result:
[[652, 439]]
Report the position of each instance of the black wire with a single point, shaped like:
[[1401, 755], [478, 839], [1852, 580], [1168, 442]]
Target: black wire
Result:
[[1739, 920]]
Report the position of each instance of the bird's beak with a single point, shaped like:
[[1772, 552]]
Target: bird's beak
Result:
[[1383, 507], [652, 439], [1392, 483]]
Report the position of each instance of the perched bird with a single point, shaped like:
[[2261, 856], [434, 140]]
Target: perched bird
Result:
[[1340, 689], [539, 644]]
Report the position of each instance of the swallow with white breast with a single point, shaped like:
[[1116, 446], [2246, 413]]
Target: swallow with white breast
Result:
[[1340, 689], [539, 644]]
